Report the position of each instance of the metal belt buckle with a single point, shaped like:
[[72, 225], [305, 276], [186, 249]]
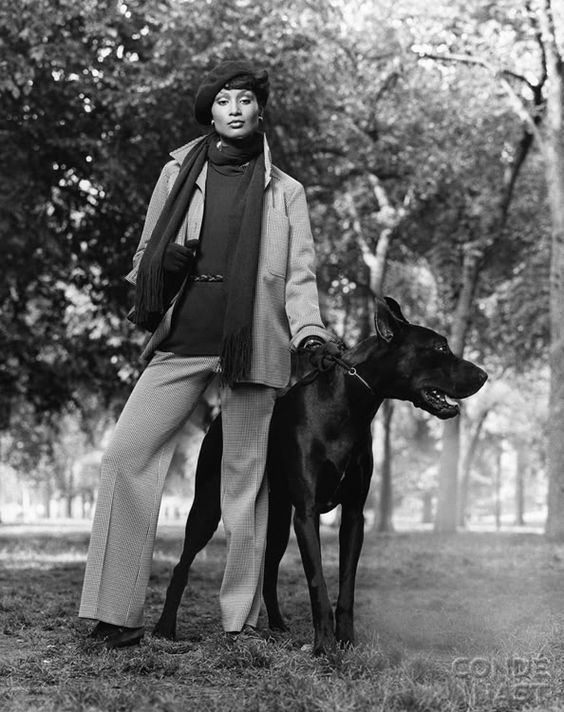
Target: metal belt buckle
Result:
[[207, 278]]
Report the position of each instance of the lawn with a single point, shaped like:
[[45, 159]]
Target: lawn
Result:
[[466, 622]]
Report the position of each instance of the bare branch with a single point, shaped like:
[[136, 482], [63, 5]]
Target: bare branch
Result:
[[388, 214], [390, 80], [515, 100], [390, 217], [480, 61]]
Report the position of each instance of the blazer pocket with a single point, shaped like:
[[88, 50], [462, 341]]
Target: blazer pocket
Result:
[[276, 234]]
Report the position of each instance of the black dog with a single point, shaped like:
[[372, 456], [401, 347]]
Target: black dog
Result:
[[320, 455]]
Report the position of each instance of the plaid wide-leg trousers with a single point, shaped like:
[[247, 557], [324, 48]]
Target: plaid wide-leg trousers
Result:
[[134, 468]]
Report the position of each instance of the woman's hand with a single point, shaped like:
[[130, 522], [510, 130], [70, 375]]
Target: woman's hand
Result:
[[322, 353], [178, 258]]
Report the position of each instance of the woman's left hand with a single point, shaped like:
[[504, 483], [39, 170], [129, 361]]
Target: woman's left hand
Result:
[[322, 353]]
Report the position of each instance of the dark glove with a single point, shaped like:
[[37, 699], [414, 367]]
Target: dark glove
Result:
[[322, 352], [178, 258], [177, 262]]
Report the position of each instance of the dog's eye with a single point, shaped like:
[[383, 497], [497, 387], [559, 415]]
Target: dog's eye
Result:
[[443, 348]]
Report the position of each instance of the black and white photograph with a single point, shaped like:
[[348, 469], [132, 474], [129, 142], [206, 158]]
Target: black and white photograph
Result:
[[282, 355]]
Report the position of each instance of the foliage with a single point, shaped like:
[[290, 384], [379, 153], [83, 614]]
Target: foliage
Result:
[[96, 93]]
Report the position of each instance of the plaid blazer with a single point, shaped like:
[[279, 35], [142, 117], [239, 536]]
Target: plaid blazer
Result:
[[286, 308]]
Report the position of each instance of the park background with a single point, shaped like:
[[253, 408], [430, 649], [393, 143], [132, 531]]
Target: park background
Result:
[[430, 141]]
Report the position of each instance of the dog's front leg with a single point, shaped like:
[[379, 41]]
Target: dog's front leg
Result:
[[351, 535], [306, 525]]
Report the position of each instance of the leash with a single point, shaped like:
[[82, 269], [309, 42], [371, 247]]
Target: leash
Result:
[[351, 371], [347, 367]]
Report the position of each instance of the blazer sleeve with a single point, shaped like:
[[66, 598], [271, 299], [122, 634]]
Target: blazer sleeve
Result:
[[302, 299], [158, 198]]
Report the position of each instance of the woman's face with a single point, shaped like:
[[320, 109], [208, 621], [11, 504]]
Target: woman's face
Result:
[[235, 113]]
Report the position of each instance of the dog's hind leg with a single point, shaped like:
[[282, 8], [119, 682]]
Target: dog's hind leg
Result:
[[202, 522], [278, 533], [351, 536]]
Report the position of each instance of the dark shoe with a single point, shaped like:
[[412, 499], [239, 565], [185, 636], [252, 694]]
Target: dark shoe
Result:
[[248, 632], [102, 630], [124, 637]]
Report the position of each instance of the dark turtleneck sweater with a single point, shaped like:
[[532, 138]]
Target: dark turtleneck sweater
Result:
[[199, 313]]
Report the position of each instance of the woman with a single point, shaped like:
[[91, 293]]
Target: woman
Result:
[[224, 276]]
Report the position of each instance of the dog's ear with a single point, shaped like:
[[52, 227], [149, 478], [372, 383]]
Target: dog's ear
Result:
[[395, 309], [387, 314], [384, 320]]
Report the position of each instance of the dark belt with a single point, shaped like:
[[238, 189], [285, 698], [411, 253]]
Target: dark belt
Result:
[[206, 278]]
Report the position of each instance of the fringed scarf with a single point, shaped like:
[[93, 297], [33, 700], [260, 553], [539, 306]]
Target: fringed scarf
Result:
[[245, 232]]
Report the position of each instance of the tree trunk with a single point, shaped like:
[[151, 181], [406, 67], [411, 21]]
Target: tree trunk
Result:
[[385, 523], [47, 494], [520, 473], [554, 169], [375, 264], [427, 514], [497, 486], [463, 498], [448, 468], [69, 494], [446, 517], [467, 462]]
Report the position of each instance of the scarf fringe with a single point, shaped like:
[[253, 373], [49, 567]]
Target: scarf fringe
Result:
[[235, 358], [150, 292]]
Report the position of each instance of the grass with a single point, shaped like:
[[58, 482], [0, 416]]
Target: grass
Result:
[[468, 623]]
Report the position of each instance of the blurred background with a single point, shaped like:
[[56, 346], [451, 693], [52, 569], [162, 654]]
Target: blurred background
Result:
[[430, 143]]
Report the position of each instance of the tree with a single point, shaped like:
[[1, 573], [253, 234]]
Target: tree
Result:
[[94, 97], [489, 225], [408, 163], [554, 168]]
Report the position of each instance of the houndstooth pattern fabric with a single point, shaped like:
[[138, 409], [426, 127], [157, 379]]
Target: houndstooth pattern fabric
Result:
[[286, 307], [134, 468], [246, 413]]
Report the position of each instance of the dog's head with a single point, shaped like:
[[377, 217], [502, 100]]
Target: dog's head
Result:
[[419, 365]]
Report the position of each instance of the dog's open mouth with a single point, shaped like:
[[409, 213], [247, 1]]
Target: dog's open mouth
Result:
[[438, 403]]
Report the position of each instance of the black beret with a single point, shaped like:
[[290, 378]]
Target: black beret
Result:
[[217, 79]]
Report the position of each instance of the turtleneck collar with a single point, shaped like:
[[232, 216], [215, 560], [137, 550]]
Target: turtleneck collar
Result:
[[230, 157]]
